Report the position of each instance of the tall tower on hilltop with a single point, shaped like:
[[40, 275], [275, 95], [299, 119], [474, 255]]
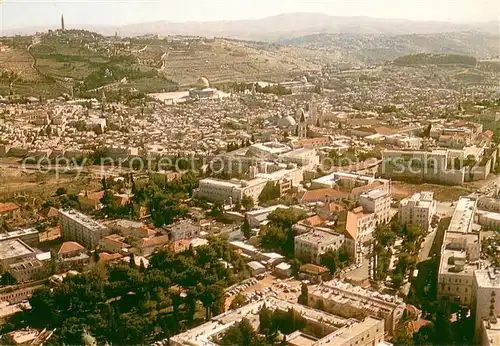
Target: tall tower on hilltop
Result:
[[62, 22]]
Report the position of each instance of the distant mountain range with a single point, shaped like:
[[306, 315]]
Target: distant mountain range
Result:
[[281, 27]]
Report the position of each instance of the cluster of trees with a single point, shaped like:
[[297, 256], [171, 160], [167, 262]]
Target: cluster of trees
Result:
[[277, 89], [441, 331], [491, 247], [435, 59], [335, 260], [270, 192], [385, 236], [278, 234], [162, 198], [271, 323], [123, 304]]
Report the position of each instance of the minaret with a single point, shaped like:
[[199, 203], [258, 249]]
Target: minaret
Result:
[[62, 22]]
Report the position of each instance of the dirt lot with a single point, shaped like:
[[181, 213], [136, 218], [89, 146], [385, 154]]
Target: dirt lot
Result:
[[441, 193]]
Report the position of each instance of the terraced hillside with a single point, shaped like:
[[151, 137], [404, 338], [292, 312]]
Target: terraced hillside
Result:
[[86, 61], [222, 60]]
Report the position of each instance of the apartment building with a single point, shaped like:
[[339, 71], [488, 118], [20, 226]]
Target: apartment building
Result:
[[418, 209], [13, 251], [322, 328], [28, 270], [486, 305], [259, 216], [488, 220], [349, 301], [217, 190], [304, 157], [421, 166], [311, 245], [81, 228], [28, 235], [377, 202], [459, 254], [182, 230]]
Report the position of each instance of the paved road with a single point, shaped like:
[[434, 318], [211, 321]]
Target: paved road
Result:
[[427, 245]]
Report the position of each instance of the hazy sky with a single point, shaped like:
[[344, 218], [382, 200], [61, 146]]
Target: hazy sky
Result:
[[19, 13]]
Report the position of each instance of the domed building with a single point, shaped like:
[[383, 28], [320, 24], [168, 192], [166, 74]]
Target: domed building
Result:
[[202, 83], [202, 90], [287, 122]]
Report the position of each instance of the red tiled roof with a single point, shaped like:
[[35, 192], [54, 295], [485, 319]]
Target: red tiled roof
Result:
[[335, 207], [315, 220], [384, 130], [158, 241], [108, 257], [6, 207], [313, 269], [415, 326], [70, 246], [359, 190], [488, 133], [321, 195], [180, 245], [96, 196], [49, 212]]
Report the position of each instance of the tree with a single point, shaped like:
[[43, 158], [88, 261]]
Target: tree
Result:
[[107, 201], [397, 280], [142, 267], [304, 295], [402, 336], [270, 192], [241, 333], [238, 301], [245, 228], [7, 279], [61, 191], [247, 202], [131, 261], [334, 260]]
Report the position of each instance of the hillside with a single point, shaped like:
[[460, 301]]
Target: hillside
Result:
[[57, 61], [378, 48], [283, 26]]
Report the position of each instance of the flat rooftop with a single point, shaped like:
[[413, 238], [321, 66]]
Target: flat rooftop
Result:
[[488, 278], [14, 248], [375, 194], [318, 236], [82, 219], [463, 216], [492, 332], [234, 183], [18, 233], [342, 328]]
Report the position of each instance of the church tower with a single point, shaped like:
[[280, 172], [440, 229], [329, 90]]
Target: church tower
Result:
[[62, 22], [302, 126], [103, 101]]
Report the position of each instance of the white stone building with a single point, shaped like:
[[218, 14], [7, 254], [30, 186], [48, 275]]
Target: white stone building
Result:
[[459, 255], [81, 228], [418, 210], [486, 304], [216, 190], [377, 202], [310, 246]]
